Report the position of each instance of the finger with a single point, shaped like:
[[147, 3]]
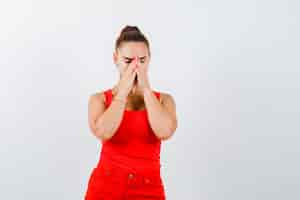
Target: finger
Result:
[[130, 71], [134, 73], [137, 72], [130, 68]]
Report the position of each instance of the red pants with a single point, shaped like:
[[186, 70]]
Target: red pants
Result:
[[111, 182]]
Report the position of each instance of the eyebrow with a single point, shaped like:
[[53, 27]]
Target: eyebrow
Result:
[[132, 58]]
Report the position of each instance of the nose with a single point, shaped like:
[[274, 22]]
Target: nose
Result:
[[136, 61]]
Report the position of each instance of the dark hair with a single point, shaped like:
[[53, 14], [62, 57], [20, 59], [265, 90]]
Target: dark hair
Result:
[[131, 34]]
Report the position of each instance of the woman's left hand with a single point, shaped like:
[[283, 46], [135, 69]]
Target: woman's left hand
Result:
[[142, 77]]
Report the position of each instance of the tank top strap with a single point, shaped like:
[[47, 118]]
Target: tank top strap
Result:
[[108, 97], [157, 94]]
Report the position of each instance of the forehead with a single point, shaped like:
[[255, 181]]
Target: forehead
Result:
[[131, 49]]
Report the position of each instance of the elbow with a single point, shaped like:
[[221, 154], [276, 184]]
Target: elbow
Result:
[[101, 134], [166, 136], [100, 131], [169, 133]]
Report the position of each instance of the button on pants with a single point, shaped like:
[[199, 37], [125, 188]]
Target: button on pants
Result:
[[111, 182]]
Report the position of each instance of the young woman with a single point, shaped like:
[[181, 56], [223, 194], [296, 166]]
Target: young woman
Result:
[[130, 119]]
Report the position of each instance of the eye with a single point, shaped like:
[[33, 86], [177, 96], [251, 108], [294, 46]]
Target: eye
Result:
[[129, 61]]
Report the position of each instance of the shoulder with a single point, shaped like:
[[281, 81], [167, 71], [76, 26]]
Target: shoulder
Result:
[[97, 97], [166, 97]]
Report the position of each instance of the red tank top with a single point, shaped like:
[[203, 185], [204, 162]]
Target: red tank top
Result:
[[134, 144]]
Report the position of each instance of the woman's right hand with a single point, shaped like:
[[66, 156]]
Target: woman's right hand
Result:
[[125, 83]]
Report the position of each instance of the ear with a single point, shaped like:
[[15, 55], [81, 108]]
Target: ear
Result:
[[115, 57]]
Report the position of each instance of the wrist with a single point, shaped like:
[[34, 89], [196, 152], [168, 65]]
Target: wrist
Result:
[[120, 98], [147, 90]]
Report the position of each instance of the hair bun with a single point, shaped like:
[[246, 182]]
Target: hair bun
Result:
[[130, 29], [131, 34]]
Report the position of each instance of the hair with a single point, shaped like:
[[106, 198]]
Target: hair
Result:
[[131, 34]]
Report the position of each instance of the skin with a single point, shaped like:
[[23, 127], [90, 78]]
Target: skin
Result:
[[161, 113], [126, 54]]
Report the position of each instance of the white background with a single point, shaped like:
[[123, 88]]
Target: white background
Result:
[[231, 66]]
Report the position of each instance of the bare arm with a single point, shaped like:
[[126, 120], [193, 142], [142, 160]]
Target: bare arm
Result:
[[162, 117], [104, 123]]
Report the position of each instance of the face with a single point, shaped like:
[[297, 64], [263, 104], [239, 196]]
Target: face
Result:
[[127, 51]]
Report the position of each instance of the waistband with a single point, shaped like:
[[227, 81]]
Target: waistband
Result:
[[118, 174], [129, 163]]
